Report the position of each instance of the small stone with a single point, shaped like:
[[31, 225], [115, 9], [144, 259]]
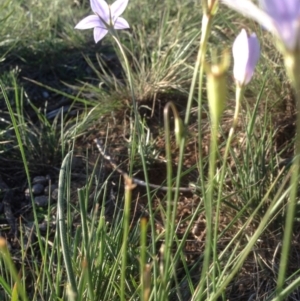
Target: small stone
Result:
[[49, 189], [27, 194], [41, 201], [45, 94], [37, 188], [39, 179], [54, 194]]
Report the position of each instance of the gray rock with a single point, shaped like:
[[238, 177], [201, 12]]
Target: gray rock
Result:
[[54, 194], [40, 179], [45, 94], [37, 188], [49, 189], [41, 201]]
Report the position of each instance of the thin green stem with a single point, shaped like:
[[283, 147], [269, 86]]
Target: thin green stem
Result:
[[199, 70], [288, 290], [134, 104], [128, 193], [292, 65], [206, 28], [144, 268], [85, 233], [171, 203], [143, 157], [209, 199], [200, 84], [238, 98]]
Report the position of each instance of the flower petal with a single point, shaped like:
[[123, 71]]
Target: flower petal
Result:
[[288, 34], [99, 33], [121, 23], [89, 22], [250, 10], [117, 8], [240, 54], [100, 8], [285, 15], [246, 52], [254, 49], [281, 10]]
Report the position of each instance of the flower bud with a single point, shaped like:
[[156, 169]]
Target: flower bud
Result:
[[217, 87], [246, 52]]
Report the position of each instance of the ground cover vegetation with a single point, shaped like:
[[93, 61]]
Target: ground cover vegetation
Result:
[[120, 180]]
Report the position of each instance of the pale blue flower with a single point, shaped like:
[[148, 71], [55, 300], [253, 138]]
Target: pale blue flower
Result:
[[246, 52], [106, 17], [280, 17]]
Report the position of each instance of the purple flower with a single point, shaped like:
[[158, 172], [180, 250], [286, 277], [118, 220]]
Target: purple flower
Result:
[[246, 52], [280, 17], [106, 17]]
